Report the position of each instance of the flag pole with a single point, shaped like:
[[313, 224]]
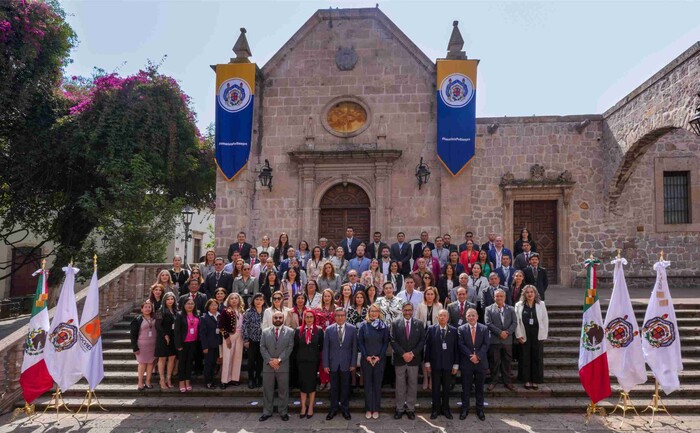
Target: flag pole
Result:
[[656, 404], [56, 402], [90, 395], [592, 409]]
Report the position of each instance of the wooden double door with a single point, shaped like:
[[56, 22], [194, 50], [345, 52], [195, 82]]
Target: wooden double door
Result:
[[540, 218], [344, 206]]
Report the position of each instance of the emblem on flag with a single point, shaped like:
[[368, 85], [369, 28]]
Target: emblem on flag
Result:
[[64, 336], [35, 342], [234, 95], [620, 332], [90, 333], [592, 336], [456, 90], [659, 332]]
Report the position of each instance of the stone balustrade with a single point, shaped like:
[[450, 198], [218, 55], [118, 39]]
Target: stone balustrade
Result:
[[120, 291]]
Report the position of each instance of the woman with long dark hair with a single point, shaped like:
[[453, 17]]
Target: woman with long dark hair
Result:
[[281, 249], [143, 343], [252, 332], [308, 344], [525, 235], [165, 339]]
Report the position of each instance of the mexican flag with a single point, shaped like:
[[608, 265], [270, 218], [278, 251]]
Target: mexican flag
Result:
[[35, 378], [592, 358]]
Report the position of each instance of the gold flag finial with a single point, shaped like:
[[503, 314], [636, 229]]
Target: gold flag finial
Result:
[[71, 262], [591, 256], [43, 264], [619, 253], [94, 261], [661, 256]]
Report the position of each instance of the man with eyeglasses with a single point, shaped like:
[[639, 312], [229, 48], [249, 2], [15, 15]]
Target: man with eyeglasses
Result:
[[468, 236], [352, 280], [276, 345], [216, 279]]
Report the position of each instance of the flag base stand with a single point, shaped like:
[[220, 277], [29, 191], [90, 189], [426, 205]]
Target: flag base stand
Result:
[[57, 403], [624, 404], [28, 409], [594, 409], [89, 400], [656, 404]]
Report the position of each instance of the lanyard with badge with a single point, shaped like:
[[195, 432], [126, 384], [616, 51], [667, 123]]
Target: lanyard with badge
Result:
[[531, 321], [442, 338]]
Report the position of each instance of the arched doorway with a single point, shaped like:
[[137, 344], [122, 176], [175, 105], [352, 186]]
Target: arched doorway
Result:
[[343, 206]]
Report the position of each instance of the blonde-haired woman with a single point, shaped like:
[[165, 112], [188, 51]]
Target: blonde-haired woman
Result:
[[373, 276], [532, 330], [231, 328], [207, 266], [166, 281], [373, 341], [427, 312]]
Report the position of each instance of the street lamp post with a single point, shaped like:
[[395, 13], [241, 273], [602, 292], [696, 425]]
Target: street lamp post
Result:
[[187, 214]]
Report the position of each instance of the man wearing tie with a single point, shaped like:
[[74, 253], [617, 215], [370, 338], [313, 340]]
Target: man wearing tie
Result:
[[401, 252], [241, 246], [458, 309], [323, 243], [375, 248], [522, 261], [350, 244], [216, 279], [340, 360], [473, 340], [276, 345], [501, 321], [352, 280], [407, 340], [536, 275], [420, 246], [505, 272], [253, 257], [441, 362]]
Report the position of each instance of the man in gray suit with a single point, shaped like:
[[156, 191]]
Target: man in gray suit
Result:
[[276, 345], [407, 340], [339, 361], [458, 309], [501, 321]]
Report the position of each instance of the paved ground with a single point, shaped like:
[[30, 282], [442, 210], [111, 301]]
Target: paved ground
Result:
[[248, 422]]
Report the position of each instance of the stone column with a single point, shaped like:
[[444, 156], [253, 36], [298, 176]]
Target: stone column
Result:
[[306, 229], [381, 174]]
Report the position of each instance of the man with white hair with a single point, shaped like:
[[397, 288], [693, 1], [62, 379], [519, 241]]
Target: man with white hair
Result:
[[501, 321]]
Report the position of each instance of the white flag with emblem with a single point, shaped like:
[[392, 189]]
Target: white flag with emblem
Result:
[[90, 336], [622, 333], [62, 353], [661, 343]]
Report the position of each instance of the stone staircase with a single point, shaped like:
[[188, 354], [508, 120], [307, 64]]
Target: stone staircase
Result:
[[561, 391]]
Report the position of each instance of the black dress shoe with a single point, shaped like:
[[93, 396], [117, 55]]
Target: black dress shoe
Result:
[[411, 415], [481, 416], [447, 414], [346, 415], [463, 414], [285, 417], [264, 418], [211, 386], [331, 415], [251, 384], [398, 415], [433, 415], [223, 386], [235, 383]]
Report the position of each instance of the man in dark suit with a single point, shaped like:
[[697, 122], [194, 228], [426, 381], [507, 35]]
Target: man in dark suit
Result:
[[468, 236], [458, 309], [276, 345], [473, 343], [522, 260], [241, 246], [447, 239], [284, 263], [217, 279], [350, 243], [353, 279], [490, 244], [536, 275], [501, 321], [374, 249], [401, 252], [497, 253], [505, 272], [424, 242], [200, 299], [323, 243], [340, 360], [441, 362], [407, 340]]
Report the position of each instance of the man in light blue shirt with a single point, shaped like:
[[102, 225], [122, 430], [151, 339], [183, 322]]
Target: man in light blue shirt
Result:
[[360, 263]]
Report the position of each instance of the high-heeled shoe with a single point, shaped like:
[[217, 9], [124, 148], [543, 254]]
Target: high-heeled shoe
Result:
[[302, 415], [163, 385], [309, 415]]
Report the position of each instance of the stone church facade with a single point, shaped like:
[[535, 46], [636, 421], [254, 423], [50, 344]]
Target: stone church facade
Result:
[[345, 110]]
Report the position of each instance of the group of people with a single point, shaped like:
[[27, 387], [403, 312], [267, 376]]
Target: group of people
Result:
[[359, 314]]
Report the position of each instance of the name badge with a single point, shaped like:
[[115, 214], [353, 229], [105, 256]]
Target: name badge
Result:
[[532, 321], [217, 330], [327, 323], [192, 331], [245, 291], [150, 334], [177, 285], [173, 327], [460, 321], [444, 346]]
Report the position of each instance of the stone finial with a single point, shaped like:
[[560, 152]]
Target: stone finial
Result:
[[309, 133], [241, 48], [454, 47]]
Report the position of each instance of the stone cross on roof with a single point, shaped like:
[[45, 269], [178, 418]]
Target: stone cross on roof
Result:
[[454, 47], [241, 48]]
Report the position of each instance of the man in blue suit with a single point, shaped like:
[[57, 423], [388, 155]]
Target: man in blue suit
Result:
[[339, 360], [473, 341], [401, 252], [360, 263], [505, 272], [350, 243], [498, 251], [441, 362]]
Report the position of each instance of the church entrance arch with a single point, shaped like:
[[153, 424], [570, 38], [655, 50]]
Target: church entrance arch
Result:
[[344, 205]]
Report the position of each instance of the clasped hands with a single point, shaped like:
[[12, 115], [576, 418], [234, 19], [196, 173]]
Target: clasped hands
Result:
[[274, 363], [372, 360]]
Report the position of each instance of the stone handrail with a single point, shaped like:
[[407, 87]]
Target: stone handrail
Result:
[[120, 291]]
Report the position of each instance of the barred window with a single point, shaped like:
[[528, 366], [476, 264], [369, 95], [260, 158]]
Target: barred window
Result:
[[676, 197]]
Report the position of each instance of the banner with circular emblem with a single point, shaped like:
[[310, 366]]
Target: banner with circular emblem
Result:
[[235, 90], [456, 113]]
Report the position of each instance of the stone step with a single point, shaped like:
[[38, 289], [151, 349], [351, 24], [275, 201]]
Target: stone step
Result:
[[546, 390], [146, 402]]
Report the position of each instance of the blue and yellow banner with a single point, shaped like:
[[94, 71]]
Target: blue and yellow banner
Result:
[[456, 113], [235, 88]]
